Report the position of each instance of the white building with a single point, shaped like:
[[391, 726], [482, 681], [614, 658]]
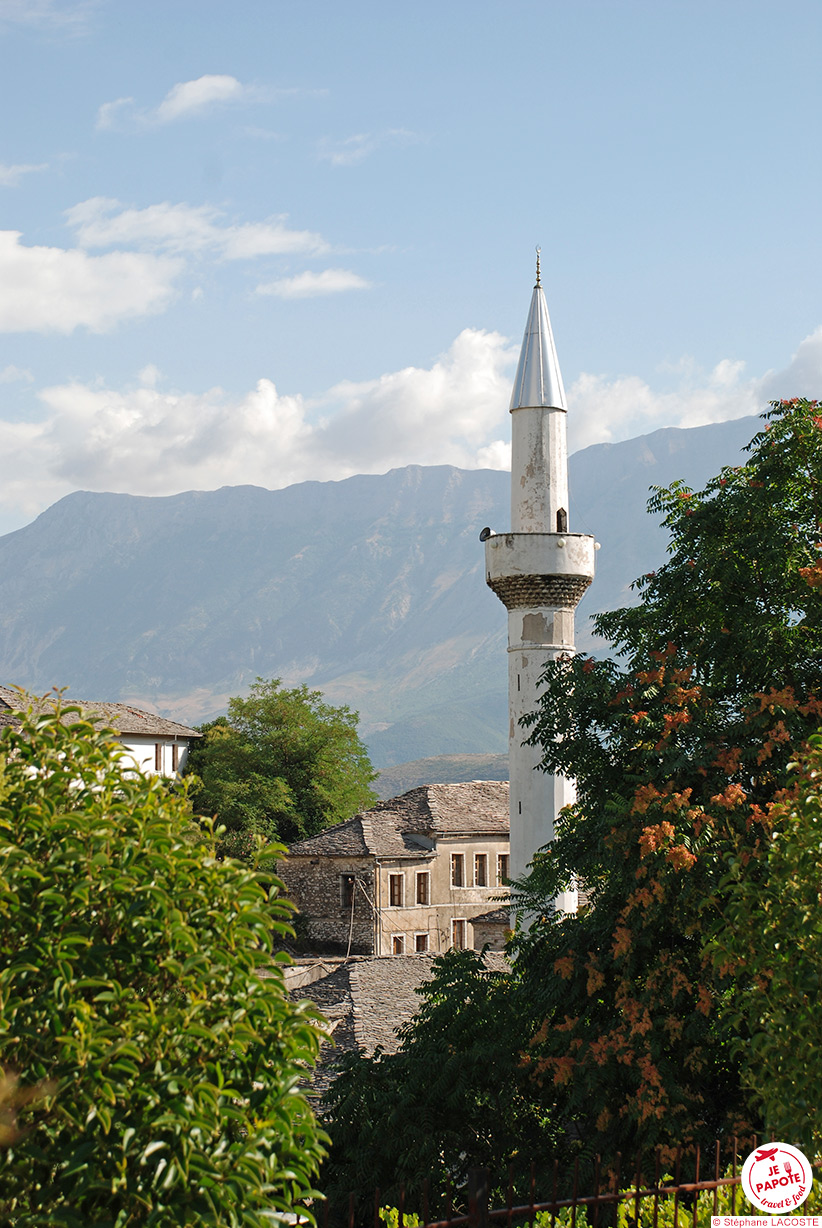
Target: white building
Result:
[[539, 571], [154, 743]]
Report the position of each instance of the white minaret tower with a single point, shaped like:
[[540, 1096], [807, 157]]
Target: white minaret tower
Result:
[[539, 571]]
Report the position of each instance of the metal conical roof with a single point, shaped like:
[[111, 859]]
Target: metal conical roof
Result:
[[538, 382]]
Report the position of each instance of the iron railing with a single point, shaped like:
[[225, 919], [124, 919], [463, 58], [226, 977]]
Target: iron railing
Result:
[[469, 1204]]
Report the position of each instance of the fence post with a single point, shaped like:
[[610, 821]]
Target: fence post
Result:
[[478, 1197]]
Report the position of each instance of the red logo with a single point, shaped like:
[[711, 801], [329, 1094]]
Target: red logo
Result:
[[777, 1178]]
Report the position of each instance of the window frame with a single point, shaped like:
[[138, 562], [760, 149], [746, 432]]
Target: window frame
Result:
[[398, 944], [396, 876], [423, 876], [348, 890], [458, 859], [463, 921], [481, 858], [503, 859], [421, 950]]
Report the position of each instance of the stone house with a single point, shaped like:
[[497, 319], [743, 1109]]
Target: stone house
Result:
[[408, 876], [155, 744]]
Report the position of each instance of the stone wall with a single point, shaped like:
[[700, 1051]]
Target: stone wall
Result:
[[316, 887]]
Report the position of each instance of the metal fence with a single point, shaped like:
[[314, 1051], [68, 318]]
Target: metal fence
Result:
[[673, 1177]]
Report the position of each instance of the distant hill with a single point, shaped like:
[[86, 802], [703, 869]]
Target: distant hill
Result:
[[440, 770], [370, 589]]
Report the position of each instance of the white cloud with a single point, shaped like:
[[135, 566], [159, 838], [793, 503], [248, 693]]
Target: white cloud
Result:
[[52, 13], [312, 285], [145, 439], [185, 100], [13, 375], [111, 114], [104, 222], [49, 289], [193, 97], [10, 176], [355, 149], [605, 409]]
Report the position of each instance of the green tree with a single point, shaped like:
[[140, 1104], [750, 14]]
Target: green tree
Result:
[[678, 753], [453, 1096], [157, 1053], [769, 938], [282, 765]]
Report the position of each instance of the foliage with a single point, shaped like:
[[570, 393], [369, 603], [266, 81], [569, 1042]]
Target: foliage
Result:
[[677, 753], [667, 1212], [390, 1216], [452, 1097], [769, 939], [282, 765], [137, 991]]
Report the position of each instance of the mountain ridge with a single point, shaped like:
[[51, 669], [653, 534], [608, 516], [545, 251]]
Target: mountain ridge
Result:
[[370, 589]]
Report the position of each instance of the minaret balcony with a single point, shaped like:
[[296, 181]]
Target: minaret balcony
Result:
[[539, 570]]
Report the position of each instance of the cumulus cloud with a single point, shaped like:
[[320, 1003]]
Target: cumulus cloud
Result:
[[10, 176], [49, 289], [103, 222], [355, 149], [185, 100], [146, 439], [604, 408], [311, 285]]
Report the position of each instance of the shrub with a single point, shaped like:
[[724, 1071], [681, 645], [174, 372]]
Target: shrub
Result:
[[136, 986]]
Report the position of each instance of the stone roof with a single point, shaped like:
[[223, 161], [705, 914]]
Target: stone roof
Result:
[[498, 916], [401, 826], [373, 996], [122, 718]]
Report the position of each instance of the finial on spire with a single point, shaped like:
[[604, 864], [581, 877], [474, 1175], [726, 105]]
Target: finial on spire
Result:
[[539, 249]]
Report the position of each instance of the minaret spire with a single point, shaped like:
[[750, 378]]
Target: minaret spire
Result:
[[540, 572]]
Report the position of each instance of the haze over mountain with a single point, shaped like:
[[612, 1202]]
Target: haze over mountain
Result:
[[371, 589]]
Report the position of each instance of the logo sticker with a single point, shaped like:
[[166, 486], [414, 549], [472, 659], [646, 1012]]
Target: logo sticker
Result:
[[777, 1177]]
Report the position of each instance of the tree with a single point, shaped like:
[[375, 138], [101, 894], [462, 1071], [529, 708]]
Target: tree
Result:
[[678, 753], [455, 1094], [769, 939], [282, 765], [156, 1051]]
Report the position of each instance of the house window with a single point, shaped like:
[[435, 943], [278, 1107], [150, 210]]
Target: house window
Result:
[[175, 757], [457, 869], [347, 886], [398, 945], [395, 890], [423, 887], [458, 935], [420, 942], [481, 870], [158, 756], [502, 868]]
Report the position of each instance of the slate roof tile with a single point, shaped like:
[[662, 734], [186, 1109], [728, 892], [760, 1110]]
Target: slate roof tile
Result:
[[401, 826], [122, 718]]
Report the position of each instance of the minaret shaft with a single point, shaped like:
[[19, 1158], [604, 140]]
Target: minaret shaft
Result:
[[540, 572], [539, 470]]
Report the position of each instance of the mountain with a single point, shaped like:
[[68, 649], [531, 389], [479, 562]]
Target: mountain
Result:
[[370, 589]]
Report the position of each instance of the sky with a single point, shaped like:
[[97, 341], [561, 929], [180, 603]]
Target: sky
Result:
[[279, 240]]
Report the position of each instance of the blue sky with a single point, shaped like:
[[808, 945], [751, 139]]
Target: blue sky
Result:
[[276, 240]]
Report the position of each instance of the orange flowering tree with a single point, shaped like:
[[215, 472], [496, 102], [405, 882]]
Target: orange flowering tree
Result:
[[679, 748], [768, 938]]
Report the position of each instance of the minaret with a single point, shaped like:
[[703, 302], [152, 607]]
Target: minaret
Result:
[[539, 571]]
